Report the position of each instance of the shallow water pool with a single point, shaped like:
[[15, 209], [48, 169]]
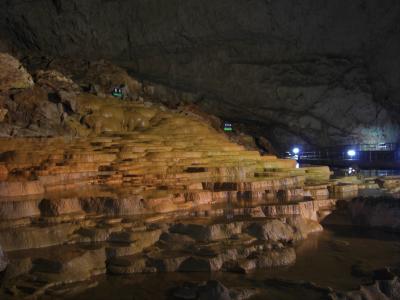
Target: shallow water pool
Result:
[[338, 258]]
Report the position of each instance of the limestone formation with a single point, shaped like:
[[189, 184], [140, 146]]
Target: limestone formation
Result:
[[12, 74], [96, 77], [3, 261], [272, 231], [333, 81], [386, 286], [212, 289], [381, 212], [114, 161], [32, 113], [3, 113], [91, 184], [133, 182]]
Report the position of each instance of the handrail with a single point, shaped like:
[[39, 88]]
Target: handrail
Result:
[[358, 147], [364, 152]]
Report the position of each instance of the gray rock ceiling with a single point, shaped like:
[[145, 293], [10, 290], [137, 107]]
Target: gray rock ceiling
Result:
[[297, 71]]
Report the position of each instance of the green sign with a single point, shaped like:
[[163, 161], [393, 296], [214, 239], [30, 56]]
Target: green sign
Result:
[[118, 93], [228, 127]]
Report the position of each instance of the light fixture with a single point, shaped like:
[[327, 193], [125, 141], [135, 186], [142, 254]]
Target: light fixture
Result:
[[296, 150], [351, 171], [351, 153]]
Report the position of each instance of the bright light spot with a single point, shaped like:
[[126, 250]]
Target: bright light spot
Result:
[[296, 150], [297, 166], [351, 171], [351, 153]]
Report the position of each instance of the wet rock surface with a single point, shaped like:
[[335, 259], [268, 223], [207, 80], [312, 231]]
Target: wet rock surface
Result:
[[327, 267], [376, 212], [3, 260], [120, 247], [386, 286], [93, 185], [212, 290], [380, 212]]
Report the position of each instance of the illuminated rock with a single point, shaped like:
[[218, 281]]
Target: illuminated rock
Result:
[[95, 176], [276, 258], [302, 227], [274, 230], [20, 188], [76, 265], [345, 190], [3, 113], [36, 236], [126, 265], [389, 182], [3, 172], [55, 81], [12, 74], [210, 232], [19, 209], [31, 113], [52, 208], [160, 190], [144, 239]]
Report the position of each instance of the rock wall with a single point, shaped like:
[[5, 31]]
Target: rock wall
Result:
[[374, 207], [318, 72], [12, 74], [376, 213]]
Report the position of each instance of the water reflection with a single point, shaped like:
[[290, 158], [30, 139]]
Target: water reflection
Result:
[[327, 259], [351, 171]]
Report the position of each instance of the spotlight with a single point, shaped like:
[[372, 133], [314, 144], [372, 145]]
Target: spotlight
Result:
[[296, 150], [351, 171], [351, 153]]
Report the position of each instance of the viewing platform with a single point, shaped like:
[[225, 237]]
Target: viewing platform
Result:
[[368, 156]]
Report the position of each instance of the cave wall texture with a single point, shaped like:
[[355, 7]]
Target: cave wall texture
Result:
[[321, 72]]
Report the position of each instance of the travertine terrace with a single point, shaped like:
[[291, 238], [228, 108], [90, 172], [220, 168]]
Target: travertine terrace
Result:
[[91, 185], [199, 150], [141, 188]]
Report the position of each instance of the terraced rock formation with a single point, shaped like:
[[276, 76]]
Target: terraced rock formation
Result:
[[169, 197], [91, 184]]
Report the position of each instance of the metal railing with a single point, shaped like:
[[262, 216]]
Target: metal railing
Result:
[[359, 147], [364, 152]]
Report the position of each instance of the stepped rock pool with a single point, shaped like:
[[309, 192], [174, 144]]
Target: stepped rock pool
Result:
[[339, 258]]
